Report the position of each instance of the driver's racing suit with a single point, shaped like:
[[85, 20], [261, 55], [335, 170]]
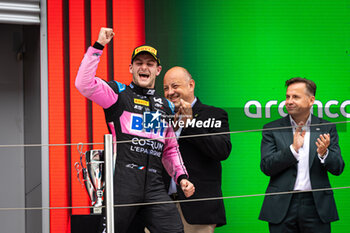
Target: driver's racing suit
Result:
[[139, 164]]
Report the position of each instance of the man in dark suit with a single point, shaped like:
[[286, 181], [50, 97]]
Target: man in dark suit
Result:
[[202, 155], [299, 159]]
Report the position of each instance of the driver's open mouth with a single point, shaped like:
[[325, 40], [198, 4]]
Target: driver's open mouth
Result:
[[144, 75]]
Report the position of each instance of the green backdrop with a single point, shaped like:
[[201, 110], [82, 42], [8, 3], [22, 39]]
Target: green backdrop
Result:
[[239, 51]]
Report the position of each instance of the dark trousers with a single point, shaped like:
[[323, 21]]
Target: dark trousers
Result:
[[158, 218], [130, 188], [302, 217], [139, 222]]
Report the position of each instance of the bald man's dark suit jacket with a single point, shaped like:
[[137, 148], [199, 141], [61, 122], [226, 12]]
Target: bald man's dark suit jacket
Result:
[[202, 157], [278, 162]]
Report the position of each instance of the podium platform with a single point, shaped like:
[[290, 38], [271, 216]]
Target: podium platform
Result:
[[86, 223]]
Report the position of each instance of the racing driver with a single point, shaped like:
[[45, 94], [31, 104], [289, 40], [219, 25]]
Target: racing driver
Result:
[[139, 163]]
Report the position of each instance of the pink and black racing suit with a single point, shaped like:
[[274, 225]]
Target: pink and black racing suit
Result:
[[139, 163]]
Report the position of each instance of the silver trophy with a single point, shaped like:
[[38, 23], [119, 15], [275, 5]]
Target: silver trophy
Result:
[[93, 177]]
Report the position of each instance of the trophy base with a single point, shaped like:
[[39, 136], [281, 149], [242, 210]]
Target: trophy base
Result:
[[96, 211]]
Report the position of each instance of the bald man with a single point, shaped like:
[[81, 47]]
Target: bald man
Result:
[[202, 155]]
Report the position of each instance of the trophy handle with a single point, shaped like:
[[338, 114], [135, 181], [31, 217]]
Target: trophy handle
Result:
[[77, 167], [80, 148]]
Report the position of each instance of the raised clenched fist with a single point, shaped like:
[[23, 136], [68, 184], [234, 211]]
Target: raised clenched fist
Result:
[[105, 36]]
